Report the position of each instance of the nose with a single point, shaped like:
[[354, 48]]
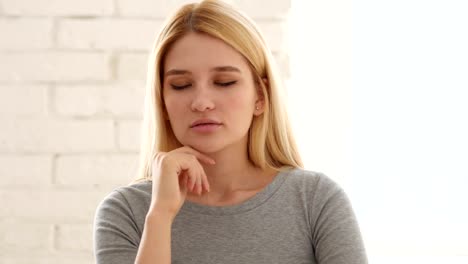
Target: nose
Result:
[[202, 101]]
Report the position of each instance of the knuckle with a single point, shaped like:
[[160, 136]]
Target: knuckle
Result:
[[159, 156]]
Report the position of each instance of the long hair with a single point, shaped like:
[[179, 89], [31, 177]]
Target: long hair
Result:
[[270, 141]]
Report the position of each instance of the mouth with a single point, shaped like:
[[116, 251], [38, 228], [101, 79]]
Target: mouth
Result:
[[206, 127], [205, 124]]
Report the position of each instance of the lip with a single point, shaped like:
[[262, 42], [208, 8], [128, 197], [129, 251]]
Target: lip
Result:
[[206, 128], [205, 122]]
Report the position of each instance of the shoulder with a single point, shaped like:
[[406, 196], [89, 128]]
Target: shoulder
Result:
[[312, 181], [128, 194], [334, 230], [136, 192], [119, 221], [314, 188], [132, 200]]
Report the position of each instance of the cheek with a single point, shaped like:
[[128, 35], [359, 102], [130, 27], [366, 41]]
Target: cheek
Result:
[[240, 107], [174, 111], [241, 101], [173, 104], [175, 114], [170, 107]]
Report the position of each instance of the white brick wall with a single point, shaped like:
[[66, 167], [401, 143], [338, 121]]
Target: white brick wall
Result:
[[23, 100], [107, 34], [72, 79], [26, 33], [58, 7], [112, 99], [54, 66]]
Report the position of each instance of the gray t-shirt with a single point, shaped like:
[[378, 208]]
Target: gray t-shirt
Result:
[[300, 217]]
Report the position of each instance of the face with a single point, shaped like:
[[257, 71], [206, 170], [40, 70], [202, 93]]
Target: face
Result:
[[209, 93]]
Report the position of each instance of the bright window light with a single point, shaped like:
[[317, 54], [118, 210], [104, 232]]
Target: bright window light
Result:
[[378, 96]]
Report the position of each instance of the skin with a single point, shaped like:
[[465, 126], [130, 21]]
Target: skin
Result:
[[206, 78]]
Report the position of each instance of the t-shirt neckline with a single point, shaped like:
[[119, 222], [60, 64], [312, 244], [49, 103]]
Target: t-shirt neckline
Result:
[[247, 205]]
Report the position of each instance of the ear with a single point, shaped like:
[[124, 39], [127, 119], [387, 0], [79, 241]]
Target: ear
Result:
[[260, 102]]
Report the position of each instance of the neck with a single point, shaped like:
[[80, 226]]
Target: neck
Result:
[[230, 173], [234, 172]]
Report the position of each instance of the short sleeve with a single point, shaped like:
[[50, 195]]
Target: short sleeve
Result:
[[336, 235], [115, 234]]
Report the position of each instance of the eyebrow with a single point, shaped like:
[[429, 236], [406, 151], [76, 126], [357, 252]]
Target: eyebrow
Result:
[[216, 69]]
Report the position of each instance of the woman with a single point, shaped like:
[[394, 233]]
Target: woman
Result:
[[220, 177]]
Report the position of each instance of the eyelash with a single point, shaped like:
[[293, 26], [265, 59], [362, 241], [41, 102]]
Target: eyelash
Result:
[[226, 84]]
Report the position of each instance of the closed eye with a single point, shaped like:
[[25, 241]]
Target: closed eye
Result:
[[225, 83], [179, 87]]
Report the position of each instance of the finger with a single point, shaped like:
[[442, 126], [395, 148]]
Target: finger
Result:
[[190, 183], [188, 164], [204, 179], [199, 183], [197, 169], [200, 156], [183, 183], [193, 181], [207, 184], [196, 166]]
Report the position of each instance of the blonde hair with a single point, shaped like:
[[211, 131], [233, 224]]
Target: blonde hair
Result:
[[270, 140]]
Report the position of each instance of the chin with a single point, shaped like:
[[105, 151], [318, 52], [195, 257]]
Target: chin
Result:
[[214, 145], [207, 148]]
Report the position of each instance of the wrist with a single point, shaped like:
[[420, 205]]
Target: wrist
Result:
[[160, 215]]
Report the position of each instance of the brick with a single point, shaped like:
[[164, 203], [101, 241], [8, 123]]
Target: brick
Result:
[[25, 33], [132, 66], [128, 34], [82, 235], [58, 7], [23, 100], [23, 236], [14, 172], [129, 135], [54, 206], [119, 99], [95, 170], [45, 135], [54, 66]]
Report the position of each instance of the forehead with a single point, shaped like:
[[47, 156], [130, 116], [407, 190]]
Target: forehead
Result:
[[196, 51]]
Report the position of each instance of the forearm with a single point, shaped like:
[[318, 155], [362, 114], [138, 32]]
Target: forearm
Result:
[[155, 245]]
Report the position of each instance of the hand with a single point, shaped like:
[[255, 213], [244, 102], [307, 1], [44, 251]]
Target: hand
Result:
[[174, 173]]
